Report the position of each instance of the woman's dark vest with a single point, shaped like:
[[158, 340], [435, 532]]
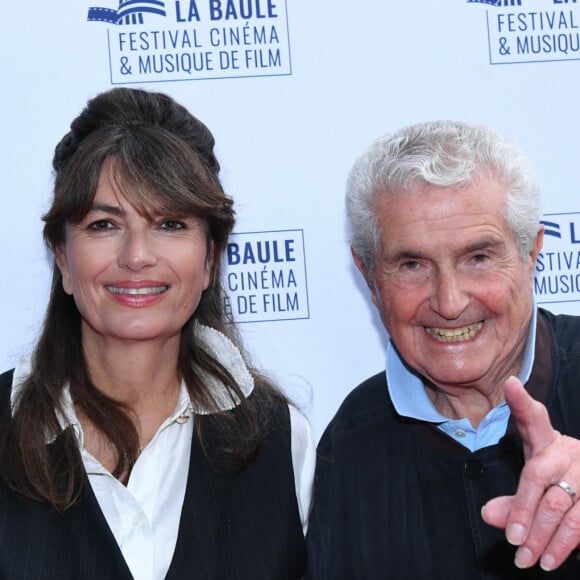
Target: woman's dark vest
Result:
[[235, 525]]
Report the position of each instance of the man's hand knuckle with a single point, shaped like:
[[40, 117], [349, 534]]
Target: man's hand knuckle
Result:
[[556, 504], [573, 522]]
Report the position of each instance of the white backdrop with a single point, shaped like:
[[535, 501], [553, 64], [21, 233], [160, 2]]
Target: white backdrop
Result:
[[294, 91]]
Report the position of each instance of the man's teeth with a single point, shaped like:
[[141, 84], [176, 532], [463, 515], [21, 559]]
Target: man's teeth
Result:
[[137, 291], [455, 334]]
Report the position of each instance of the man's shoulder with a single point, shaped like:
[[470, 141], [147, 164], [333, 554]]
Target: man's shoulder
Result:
[[370, 392], [365, 405], [565, 329]]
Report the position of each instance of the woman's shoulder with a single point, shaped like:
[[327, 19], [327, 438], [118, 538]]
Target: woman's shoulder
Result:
[[12, 381], [6, 379]]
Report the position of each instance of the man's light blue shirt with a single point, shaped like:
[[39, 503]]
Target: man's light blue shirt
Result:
[[411, 400]]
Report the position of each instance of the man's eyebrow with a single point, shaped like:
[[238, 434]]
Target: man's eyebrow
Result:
[[408, 254], [483, 244], [405, 254]]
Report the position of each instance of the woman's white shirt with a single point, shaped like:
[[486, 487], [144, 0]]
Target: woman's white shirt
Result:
[[144, 516]]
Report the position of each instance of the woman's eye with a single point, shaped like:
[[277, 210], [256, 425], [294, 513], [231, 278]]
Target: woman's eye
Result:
[[100, 226], [172, 225]]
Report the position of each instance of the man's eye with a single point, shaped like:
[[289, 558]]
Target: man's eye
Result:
[[479, 258], [100, 226], [172, 225], [410, 265]]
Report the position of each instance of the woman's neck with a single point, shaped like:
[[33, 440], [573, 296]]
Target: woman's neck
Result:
[[143, 376], [132, 371]]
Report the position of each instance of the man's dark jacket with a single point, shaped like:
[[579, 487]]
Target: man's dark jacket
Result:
[[396, 498]]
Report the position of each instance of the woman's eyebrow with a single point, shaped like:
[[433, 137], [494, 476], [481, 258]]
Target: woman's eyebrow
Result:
[[105, 208]]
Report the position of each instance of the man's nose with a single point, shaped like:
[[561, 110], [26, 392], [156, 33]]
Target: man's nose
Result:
[[450, 296]]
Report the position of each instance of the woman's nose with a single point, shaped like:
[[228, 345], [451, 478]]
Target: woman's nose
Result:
[[137, 250]]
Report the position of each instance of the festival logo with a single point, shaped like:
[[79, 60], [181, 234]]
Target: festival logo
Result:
[[153, 40], [522, 31], [265, 276], [557, 276]]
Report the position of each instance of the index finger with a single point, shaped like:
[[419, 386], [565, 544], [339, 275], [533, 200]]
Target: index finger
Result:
[[531, 418], [533, 424]]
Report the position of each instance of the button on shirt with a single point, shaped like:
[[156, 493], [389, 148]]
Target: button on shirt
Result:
[[411, 400]]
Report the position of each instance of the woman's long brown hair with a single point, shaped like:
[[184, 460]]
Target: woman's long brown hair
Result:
[[162, 160]]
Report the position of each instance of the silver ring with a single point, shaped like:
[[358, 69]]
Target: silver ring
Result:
[[568, 489]]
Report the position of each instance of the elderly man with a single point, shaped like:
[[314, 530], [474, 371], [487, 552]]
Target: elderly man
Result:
[[445, 230]]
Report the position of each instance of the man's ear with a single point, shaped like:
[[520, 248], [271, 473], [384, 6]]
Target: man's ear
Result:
[[367, 274], [537, 245], [62, 264]]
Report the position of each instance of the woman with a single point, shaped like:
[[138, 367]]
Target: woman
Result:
[[137, 442]]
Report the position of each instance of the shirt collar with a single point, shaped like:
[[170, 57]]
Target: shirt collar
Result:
[[211, 340], [408, 394]]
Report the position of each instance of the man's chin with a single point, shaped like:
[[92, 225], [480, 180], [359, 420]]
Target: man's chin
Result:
[[455, 379]]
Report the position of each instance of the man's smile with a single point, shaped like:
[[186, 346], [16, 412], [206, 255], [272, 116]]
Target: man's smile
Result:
[[455, 334]]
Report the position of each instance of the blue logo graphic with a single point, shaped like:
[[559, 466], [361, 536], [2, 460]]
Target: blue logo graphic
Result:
[[266, 276], [557, 275], [517, 35], [497, 2], [129, 12], [182, 40], [551, 229]]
